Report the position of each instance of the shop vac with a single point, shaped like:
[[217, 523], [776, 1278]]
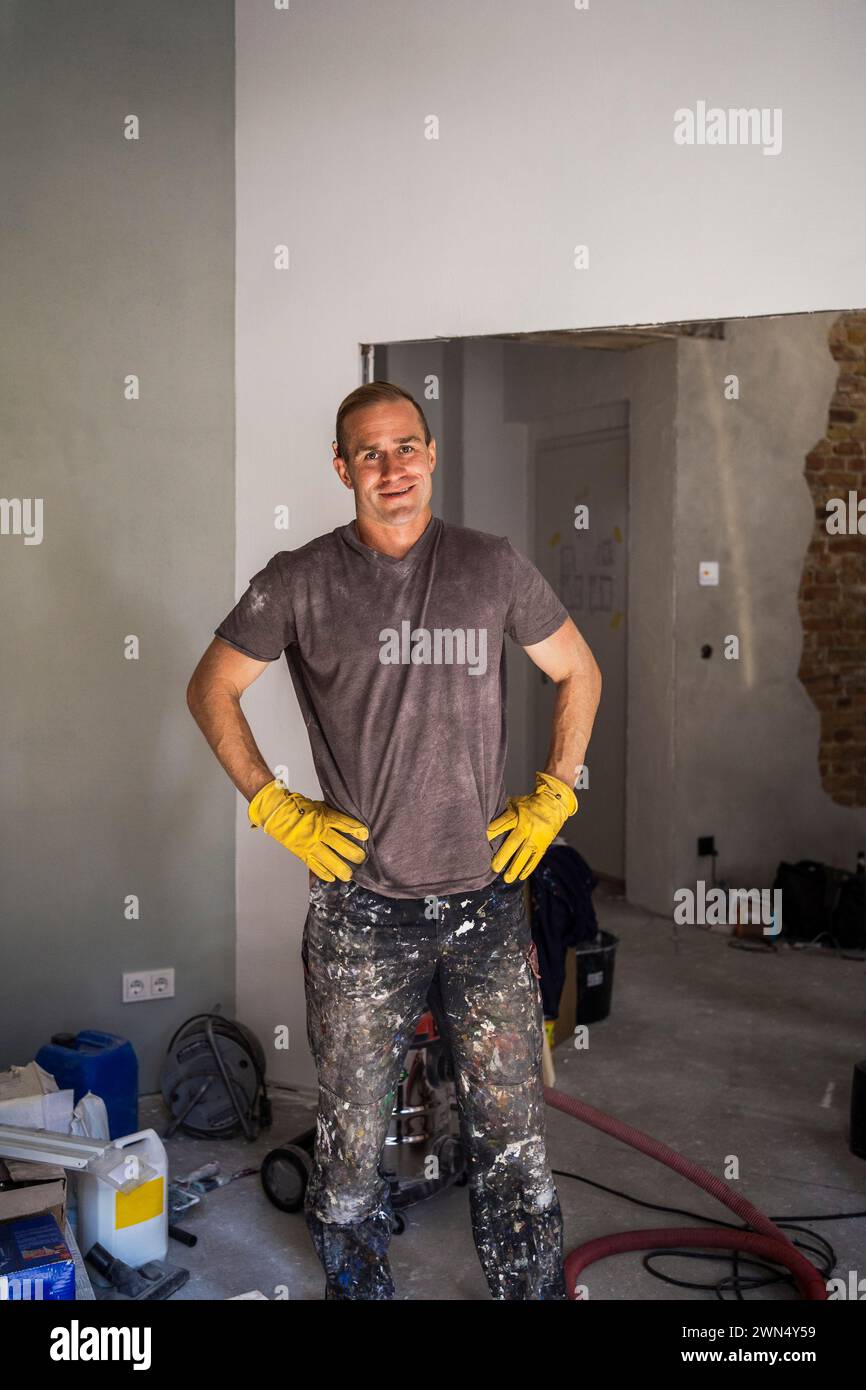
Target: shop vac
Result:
[[423, 1153]]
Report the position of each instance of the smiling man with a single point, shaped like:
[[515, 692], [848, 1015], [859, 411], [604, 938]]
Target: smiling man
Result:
[[416, 856]]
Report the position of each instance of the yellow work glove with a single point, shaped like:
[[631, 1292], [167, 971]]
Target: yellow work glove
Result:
[[310, 829], [534, 821]]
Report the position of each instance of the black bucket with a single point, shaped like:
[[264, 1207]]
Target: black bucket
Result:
[[595, 962]]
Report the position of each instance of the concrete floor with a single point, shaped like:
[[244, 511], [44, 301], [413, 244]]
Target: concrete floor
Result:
[[716, 1051]]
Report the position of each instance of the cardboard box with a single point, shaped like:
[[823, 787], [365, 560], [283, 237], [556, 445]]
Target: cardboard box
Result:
[[39, 1188], [35, 1261], [566, 1019]]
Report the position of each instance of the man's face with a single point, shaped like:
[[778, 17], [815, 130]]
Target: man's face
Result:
[[389, 466]]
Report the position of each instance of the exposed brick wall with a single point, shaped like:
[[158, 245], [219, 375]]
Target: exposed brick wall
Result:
[[833, 585]]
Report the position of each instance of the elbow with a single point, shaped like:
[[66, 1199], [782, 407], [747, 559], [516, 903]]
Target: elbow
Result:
[[598, 683], [592, 676], [192, 696]]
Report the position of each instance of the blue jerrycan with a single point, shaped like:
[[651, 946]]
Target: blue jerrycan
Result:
[[101, 1063]]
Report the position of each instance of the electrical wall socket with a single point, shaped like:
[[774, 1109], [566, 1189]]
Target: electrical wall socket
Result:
[[148, 984], [136, 986], [162, 984]]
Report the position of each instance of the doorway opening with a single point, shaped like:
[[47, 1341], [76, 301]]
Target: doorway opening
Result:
[[659, 478]]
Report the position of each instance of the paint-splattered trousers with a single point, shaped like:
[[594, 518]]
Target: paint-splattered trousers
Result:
[[372, 965]]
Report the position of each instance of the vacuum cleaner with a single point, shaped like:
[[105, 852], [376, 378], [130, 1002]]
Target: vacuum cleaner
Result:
[[423, 1153]]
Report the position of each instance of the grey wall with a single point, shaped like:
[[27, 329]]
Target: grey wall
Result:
[[118, 259], [747, 734], [555, 129]]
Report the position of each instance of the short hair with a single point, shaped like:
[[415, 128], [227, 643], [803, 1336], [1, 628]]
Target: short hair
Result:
[[369, 394]]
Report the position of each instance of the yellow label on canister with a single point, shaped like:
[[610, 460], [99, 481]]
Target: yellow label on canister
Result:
[[141, 1204]]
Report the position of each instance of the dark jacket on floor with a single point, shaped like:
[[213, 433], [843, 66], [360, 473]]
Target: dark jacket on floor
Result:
[[562, 915]]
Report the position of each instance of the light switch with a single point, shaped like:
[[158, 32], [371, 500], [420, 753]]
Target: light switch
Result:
[[708, 572]]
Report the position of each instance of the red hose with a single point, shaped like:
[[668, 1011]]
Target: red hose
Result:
[[766, 1239]]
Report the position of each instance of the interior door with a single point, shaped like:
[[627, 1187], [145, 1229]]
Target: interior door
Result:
[[588, 570]]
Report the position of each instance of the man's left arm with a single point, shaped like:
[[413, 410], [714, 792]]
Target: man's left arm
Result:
[[535, 820], [568, 661]]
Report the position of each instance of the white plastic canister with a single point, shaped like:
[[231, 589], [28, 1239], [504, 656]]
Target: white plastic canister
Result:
[[132, 1225]]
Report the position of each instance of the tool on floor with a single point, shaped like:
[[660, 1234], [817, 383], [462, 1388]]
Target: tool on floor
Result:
[[187, 1192], [154, 1279]]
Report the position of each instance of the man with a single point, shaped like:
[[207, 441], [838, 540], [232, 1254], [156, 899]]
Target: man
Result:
[[393, 628]]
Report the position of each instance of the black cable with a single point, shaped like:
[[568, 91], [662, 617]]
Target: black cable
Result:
[[824, 1260]]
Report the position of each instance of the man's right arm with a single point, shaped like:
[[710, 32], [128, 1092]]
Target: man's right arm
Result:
[[312, 830], [214, 699]]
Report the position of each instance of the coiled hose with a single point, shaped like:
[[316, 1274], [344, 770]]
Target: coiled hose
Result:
[[766, 1239]]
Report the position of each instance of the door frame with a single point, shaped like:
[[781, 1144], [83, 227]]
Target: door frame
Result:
[[587, 425]]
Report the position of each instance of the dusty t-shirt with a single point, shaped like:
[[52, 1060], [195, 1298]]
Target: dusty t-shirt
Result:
[[399, 670]]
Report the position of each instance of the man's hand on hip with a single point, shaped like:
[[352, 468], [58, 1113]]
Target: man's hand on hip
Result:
[[534, 821], [310, 829]]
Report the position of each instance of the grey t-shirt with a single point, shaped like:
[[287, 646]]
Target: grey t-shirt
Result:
[[399, 670]]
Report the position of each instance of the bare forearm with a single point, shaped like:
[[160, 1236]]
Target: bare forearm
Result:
[[219, 715], [577, 698]]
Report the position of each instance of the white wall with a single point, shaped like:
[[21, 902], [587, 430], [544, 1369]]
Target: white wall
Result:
[[555, 129]]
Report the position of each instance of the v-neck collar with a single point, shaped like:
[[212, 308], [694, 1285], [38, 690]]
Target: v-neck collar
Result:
[[397, 564]]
